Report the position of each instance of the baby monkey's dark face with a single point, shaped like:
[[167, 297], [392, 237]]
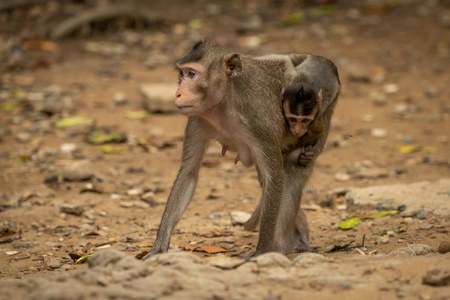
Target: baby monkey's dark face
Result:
[[301, 103]]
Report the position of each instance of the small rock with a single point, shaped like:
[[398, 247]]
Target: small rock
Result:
[[239, 217], [444, 247], [378, 132], [23, 137], [71, 209], [437, 277], [372, 173], [421, 214], [383, 240], [224, 262], [134, 192], [149, 197], [378, 98], [129, 204], [306, 260], [68, 148], [390, 88], [11, 253], [273, 259], [412, 249], [51, 263], [432, 92], [426, 227], [401, 109], [120, 99], [342, 177], [368, 117], [78, 171], [159, 97], [409, 213]]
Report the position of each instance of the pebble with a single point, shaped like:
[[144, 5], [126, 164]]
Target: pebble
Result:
[[378, 132], [412, 249], [130, 204], [408, 213], [307, 260], [71, 209], [68, 148], [383, 240], [51, 262], [378, 98], [437, 277], [78, 170], [23, 137], [342, 177], [390, 88], [401, 109], [239, 217], [421, 214], [159, 97], [272, 259], [444, 247], [148, 197], [120, 99]]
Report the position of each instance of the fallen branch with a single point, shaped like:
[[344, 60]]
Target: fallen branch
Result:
[[9, 5], [100, 14]]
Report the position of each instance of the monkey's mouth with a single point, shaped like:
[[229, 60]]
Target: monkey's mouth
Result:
[[184, 107]]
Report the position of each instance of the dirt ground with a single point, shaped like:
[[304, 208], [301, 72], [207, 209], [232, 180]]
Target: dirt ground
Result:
[[391, 126]]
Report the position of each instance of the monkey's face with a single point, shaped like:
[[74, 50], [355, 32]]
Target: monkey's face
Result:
[[203, 84], [298, 124]]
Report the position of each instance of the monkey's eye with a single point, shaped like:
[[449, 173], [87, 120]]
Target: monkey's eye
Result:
[[292, 120], [191, 74], [305, 121]]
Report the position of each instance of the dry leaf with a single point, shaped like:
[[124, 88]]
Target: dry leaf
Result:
[[207, 249]]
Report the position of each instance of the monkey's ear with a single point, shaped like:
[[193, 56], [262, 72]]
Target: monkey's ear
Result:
[[319, 97], [233, 64], [282, 92]]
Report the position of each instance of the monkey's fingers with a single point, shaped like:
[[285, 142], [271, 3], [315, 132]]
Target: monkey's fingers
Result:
[[236, 159], [224, 150]]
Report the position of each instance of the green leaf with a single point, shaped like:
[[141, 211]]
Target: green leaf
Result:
[[98, 137], [380, 214], [107, 149], [69, 122], [83, 259], [349, 224], [8, 106], [295, 18]]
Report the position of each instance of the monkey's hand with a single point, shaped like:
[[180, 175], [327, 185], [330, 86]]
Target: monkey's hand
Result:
[[306, 155]]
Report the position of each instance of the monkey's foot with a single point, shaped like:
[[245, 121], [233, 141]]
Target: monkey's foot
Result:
[[236, 159], [155, 250], [306, 155], [302, 247], [249, 256]]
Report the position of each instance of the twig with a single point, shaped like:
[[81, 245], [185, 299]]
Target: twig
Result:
[[100, 14]]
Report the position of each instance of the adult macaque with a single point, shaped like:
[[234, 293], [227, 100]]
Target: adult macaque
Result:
[[235, 99], [299, 159]]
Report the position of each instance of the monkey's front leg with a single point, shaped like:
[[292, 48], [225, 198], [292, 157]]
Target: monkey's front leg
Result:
[[182, 191]]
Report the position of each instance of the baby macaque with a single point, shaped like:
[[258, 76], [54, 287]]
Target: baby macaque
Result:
[[301, 108]]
